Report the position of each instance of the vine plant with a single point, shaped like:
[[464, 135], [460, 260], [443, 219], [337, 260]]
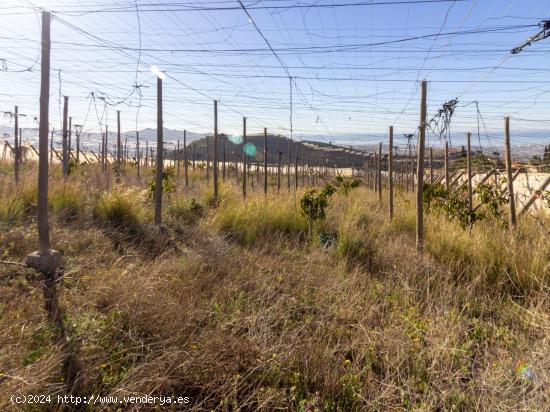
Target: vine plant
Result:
[[314, 203], [454, 204]]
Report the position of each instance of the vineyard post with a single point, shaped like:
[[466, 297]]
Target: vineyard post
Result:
[[379, 171], [185, 165], [101, 150], [69, 143], [447, 186], [215, 149], [160, 154], [44, 260], [65, 148], [223, 159], [244, 157], [510, 181], [469, 169], [279, 164], [431, 166], [207, 159], [118, 143], [420, 173], [302, 169], [146, 153], [288, 164], [376, 172], [78, 130], [390, 173], [51, 148], [265, 161], [16, 145], [125, 151], [295, 167], [138, 153], [178, 159]]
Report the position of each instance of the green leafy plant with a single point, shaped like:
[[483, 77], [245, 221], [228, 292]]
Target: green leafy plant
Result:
[[493, 198], [452, 204], [345, 186], [313, 204], [168, 184]]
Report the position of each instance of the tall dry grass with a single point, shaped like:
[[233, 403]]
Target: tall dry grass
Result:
[[248, 313]]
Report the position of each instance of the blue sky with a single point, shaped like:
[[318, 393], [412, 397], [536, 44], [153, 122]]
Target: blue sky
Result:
[[355, 68]]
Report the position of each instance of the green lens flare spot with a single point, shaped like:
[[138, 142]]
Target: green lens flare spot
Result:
[[250, 149], [236, 139]]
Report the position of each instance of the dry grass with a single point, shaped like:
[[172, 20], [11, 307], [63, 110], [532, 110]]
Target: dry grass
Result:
[[247, 313]]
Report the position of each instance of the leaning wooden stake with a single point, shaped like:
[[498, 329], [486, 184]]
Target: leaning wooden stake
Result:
[[510, 182], [390, 173], [420, 173]]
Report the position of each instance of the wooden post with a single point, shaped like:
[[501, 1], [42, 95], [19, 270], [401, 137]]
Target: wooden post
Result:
[[160, 156], [288, 164], [194, 155], [125, 150], [104, 149], [65, 152], [390, 173], [508, 157], [431, 166], [420, 173], [265, 161], [146, 153], [118, 143], [207, 160], [77, 132], [43, 225], [138, 153], [216, 151], [295, 167], [447, 186], [379, 171], [279, 164], [17, 150], [223, 160], [185, 165], [244, 157], [469, 169], [178, 159]]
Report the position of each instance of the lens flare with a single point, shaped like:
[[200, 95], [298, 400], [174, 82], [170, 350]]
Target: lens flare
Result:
[[236, 139], [157, 72], [250, 149]]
